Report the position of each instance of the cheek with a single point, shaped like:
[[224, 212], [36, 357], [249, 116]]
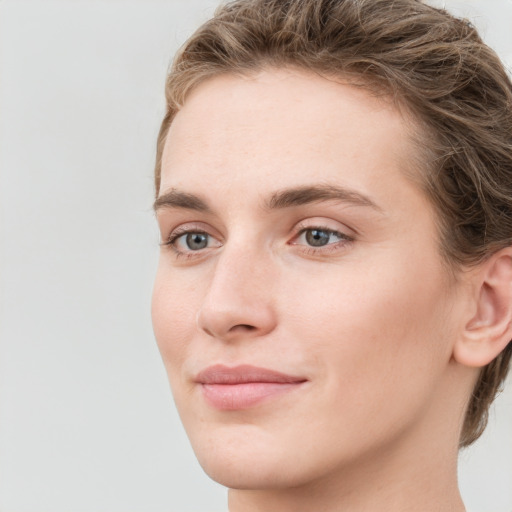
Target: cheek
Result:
[[173, 313], [377, 343], [374, 328]]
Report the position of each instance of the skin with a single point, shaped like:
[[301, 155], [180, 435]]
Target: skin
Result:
[[370, 319]]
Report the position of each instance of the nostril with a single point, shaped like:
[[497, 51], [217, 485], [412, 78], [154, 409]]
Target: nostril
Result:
[[231, 323], [241, 328], [210, 333], [245, 327]]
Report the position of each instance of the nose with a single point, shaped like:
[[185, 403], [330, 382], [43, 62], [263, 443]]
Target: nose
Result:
[[239, 300]]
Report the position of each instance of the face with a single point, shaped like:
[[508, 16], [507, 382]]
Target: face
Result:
[[300, 303]]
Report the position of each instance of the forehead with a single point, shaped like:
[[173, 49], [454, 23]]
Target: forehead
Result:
[[286, 124]]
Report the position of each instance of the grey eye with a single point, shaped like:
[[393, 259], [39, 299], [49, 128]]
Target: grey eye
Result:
[[196, 241], [317, 237]]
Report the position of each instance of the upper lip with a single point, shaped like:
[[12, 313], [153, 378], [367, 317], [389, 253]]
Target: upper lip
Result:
[[243, 374]]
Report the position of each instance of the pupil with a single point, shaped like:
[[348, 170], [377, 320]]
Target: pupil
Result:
[[196, 241], [317, 238]]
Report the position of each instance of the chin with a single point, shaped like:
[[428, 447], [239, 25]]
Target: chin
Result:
[[243, 476], [251, 475], [247, 460]]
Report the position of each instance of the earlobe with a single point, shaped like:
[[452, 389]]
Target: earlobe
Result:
[[489, 329]]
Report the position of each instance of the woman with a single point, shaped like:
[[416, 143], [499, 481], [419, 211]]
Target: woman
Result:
[[333, 301]]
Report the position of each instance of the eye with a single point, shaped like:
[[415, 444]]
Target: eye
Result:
[[320, 237], [187, 241], [318, 240], [195, 241]]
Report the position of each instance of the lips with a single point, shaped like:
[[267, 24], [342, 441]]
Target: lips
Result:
[[233, 388]]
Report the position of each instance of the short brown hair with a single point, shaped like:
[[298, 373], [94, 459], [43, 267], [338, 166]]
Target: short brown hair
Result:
[[425, 59]]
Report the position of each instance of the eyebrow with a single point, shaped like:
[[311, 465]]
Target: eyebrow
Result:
[[177, 199], [313, 194], [281, 199]]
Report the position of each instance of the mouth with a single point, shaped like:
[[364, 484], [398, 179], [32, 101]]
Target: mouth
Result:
[[244, 386]]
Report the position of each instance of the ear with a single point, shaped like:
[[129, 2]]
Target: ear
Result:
[[489, 329]]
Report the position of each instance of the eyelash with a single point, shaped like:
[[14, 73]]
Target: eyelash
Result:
[[324, 249], [178, 233], [308, 250]]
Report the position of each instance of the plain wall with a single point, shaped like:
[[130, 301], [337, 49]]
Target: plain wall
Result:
[[86, 417]]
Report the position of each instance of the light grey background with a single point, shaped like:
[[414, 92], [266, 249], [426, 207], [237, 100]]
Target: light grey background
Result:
[[86, 419]]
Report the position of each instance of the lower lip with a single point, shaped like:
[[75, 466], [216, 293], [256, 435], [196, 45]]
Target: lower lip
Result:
[[232, 397]]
